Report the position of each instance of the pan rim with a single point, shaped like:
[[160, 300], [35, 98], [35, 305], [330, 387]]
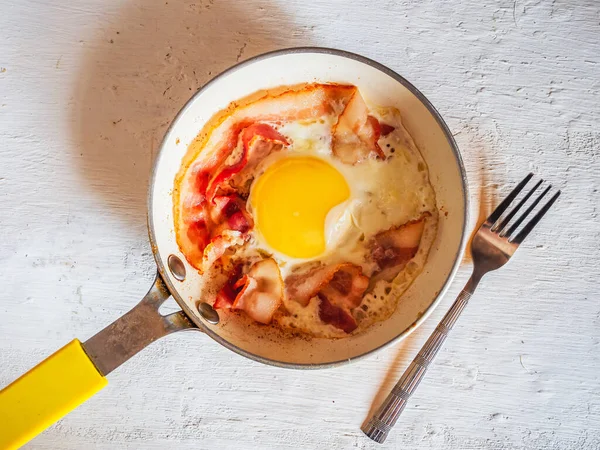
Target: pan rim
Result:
[[457, 257]]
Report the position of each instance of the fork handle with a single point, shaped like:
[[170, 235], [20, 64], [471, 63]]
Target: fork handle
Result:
[[378, 427]]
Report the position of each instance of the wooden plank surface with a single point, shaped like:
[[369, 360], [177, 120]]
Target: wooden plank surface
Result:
[[88, 87]]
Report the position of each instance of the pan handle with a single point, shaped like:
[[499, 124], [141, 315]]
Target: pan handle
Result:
[[73, 374], [135, 330]]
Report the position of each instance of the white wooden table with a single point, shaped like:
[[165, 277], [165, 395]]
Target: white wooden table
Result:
[[87, 88]]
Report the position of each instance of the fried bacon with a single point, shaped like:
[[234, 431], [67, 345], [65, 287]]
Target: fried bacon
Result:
[[259, 293], [228, 212], [346, 287], [339, 288], [356, 133], [336, 316], [392, 249], [345, 278], [259, 140], [226, 296], [301, 287]]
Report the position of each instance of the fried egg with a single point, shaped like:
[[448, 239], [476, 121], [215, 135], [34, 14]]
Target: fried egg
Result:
[[291, 200]]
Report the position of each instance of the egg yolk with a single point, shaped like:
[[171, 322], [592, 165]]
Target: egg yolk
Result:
[[291, 200]]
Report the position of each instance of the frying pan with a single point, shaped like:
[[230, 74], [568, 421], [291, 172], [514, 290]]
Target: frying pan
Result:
[[77, 371]]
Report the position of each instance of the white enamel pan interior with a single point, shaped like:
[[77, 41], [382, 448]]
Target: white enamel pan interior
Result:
[[380, 86]]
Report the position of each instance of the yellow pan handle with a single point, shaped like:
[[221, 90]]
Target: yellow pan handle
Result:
[[46, 393], [73, 374]]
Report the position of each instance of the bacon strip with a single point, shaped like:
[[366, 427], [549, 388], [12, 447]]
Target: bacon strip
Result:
[[346, 287], [340, 288], [219, 245], [229, 213], [336, 316], [302, 287], [226, 296], [356, 133], [196, 216], [261, 291], [391, 250], [259, 140]]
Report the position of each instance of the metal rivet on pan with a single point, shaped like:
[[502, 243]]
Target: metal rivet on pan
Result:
[[208, 313], [176, 267]]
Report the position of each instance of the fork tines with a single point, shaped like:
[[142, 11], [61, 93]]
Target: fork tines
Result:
[[501, 226]]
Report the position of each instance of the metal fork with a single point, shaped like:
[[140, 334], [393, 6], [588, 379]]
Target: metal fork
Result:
[[492, 246]]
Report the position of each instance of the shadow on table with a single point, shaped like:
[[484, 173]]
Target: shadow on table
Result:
[[140, 67]]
